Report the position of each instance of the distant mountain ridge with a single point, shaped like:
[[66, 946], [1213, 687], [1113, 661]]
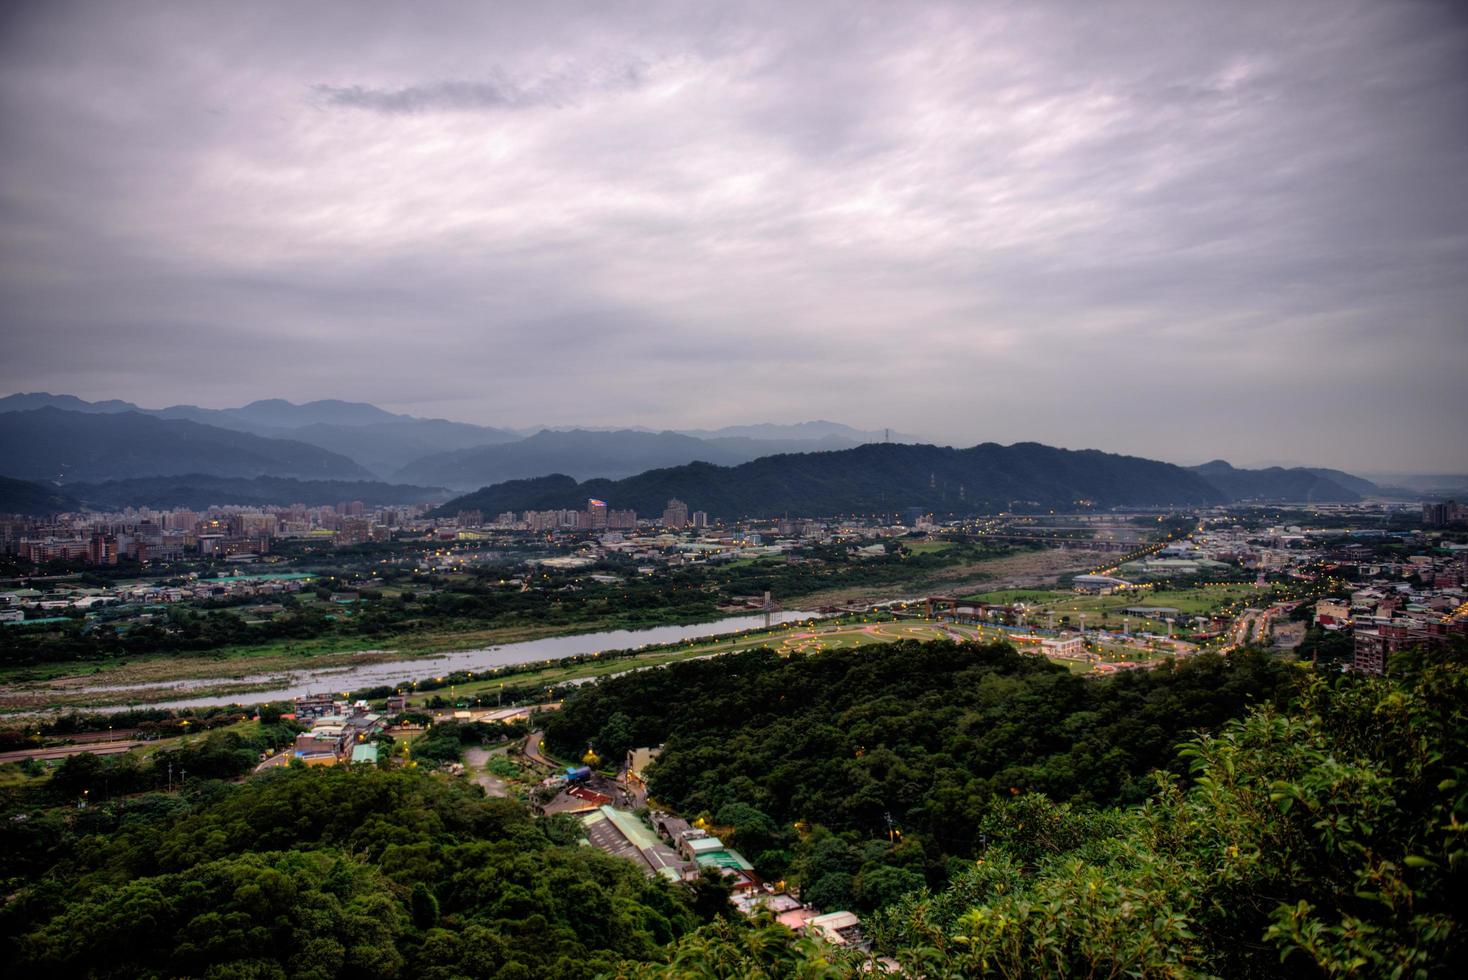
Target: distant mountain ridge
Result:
[[341, 440], [875, 478], [379, 440], [33, 499], [814, 431], [200, 490], [1276, 483], [420, 450], [588, 454], [60, 446]]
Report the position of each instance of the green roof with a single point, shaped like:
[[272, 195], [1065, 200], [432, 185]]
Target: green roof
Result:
[[724, 859]]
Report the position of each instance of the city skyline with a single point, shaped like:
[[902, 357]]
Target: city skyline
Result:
[[1173, 231]]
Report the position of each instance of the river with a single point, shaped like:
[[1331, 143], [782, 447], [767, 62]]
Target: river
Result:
[[395, 672]]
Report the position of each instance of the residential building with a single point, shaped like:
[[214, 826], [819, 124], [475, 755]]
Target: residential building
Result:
[[675, 514]]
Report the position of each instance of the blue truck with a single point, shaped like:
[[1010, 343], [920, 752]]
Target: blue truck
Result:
[[578, 774]]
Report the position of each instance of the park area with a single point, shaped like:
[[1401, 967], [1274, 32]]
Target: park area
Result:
[[848, 633], [1182, 605]]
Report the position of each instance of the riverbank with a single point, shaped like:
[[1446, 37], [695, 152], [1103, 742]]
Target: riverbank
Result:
[[269, 671], [266, 679]]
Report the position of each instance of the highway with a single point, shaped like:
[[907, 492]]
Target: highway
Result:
[[62, 751]]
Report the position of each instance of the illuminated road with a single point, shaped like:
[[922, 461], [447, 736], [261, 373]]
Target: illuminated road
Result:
[[533, 753]]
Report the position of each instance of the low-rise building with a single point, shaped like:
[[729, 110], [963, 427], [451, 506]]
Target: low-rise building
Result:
[[1066, 645], [637, 762]]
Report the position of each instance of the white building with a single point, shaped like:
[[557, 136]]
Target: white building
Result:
[[1069, 645]]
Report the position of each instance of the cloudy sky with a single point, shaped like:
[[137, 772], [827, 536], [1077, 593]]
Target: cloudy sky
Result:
[[1182, 230]]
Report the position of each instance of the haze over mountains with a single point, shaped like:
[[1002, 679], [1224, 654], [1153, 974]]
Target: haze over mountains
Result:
[[611, 454], [113, 453], [441, 452], [51, 444], [377, 440]]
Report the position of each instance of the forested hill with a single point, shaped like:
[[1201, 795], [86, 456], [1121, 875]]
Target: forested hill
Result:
[[344, 873], [980, 805], [199, 490], [923, 734], [23, 497], [875, 478], [1278, 483]]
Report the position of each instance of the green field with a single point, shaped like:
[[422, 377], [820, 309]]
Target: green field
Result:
[[928, 547], [1203, 600]]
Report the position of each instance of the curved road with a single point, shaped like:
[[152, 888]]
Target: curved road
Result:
[[533, 753]]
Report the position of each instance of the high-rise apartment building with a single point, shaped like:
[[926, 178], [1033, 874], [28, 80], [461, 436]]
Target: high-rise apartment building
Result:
[[675, 514]]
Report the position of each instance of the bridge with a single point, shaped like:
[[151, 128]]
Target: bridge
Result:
[[1059, 541]]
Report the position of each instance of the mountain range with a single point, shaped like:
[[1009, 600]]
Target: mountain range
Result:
[[198, 491], [1320, 486], [113, 453], [438, 451], [586, 454], [882, 478], [66, 447], [25, 497], [377, 440]]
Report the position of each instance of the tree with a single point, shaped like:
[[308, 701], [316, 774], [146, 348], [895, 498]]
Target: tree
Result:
[[615, 738], [711, 892], [424, 906], [882, 884], [753, 832], [1327, 836], [77, 774]]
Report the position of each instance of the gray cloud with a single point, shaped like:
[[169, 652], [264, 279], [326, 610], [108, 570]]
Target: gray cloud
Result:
[[1182, 230], [565, 88]]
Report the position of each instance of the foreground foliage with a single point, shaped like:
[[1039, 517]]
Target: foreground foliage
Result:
[[862, 773], [1325, 841], [332, 873], [1320, 836]]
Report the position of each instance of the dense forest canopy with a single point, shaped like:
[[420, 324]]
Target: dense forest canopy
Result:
[[875, 478], [1326, 840], [906, 743], [1217, 817], [323, 873]]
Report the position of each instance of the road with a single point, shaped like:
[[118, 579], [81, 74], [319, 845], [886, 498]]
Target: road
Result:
[[534, 754], [1252, 627], [62, 751], [477, 759]]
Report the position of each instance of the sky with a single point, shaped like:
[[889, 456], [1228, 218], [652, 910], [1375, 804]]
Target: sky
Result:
[[1174, 229]]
